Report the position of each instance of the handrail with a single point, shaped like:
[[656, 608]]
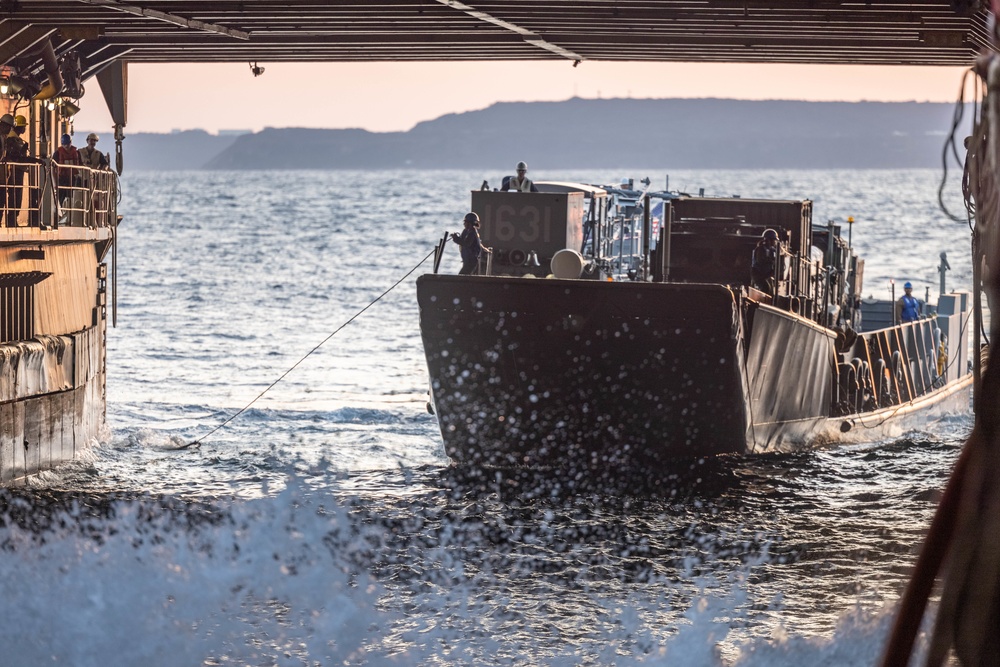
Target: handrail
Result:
[[48, 195]]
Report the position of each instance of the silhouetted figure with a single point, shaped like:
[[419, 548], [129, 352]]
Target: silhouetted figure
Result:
[[764, 262], [15, 151], [472, 246]]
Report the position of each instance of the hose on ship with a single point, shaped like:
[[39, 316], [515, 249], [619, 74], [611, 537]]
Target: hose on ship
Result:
[[950, 147], [197, 442], [961, 548]]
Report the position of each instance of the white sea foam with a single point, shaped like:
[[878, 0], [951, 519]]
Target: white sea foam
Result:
[[285, 580]]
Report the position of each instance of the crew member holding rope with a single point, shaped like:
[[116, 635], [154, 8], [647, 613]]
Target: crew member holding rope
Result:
[[472, 246]]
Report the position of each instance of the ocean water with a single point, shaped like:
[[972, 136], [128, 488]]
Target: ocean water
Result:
[[324, 525]]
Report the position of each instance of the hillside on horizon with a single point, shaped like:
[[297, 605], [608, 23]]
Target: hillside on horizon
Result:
[[706, 133]]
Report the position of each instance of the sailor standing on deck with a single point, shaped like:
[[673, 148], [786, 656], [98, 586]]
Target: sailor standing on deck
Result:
[[764, 260], [6, 127], [472, 247], [15, 154], [907, 307], [66, 154], [16, 148], [90, 156], [520, 182]]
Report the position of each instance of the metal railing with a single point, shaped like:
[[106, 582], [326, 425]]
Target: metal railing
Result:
[[50, 195]]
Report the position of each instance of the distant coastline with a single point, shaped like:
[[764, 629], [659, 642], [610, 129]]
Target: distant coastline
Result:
[[587, 133]]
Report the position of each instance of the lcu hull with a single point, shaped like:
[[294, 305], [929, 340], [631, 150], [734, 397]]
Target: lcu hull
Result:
[[554, 372], [557, 373]]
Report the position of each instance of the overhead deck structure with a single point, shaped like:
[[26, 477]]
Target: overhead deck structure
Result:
[[921, 32]]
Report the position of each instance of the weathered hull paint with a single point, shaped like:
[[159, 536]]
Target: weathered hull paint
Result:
[[578, 373], [52, 379], [52, 401]]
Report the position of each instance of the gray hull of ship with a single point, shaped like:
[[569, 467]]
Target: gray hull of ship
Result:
[[574, 373]]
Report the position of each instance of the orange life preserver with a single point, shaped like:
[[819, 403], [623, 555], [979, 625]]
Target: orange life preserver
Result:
[[67, 156]]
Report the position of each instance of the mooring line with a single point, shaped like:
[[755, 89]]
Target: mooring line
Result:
[[195, 443]]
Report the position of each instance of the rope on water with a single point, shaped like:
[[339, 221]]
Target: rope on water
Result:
[[198, 441]]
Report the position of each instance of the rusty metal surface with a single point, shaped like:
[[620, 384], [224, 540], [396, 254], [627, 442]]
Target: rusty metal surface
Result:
[[925, 32]]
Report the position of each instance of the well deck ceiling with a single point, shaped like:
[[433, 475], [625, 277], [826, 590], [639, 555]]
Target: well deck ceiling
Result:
[[924, 32]]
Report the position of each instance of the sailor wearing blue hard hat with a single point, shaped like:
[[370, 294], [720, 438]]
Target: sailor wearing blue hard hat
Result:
[[68, 157], [908, 308]]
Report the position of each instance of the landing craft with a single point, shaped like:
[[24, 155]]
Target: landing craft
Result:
[[620, 351]]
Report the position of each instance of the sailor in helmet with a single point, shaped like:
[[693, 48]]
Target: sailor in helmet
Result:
[[90, 156], [907, 307], [16, 148], [472, 246], [15, 151], [6, 127], [20, 125], [520, 182], [764, 260], [67, 156]]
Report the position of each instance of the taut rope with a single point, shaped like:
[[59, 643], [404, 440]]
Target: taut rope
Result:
[[281, 377]]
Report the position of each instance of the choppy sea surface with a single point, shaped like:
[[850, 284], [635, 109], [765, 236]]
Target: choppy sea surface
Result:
[[325, 526]]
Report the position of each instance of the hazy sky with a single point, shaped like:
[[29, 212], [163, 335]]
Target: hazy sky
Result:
[[395, 96]]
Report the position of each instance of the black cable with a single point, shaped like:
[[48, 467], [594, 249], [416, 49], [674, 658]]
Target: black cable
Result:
[[956, 120], [246, 407]]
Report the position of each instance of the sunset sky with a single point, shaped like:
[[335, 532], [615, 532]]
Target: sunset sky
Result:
[[395, 96]]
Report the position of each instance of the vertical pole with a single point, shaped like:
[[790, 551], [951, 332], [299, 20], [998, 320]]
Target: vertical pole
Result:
[[942, 267], [826, 297], [620, 217], [647, 230], [439, 251], [977, 324], [851, 268], [892, 287], [828, 256], [668, 223], [602, 217], [114, 273]]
